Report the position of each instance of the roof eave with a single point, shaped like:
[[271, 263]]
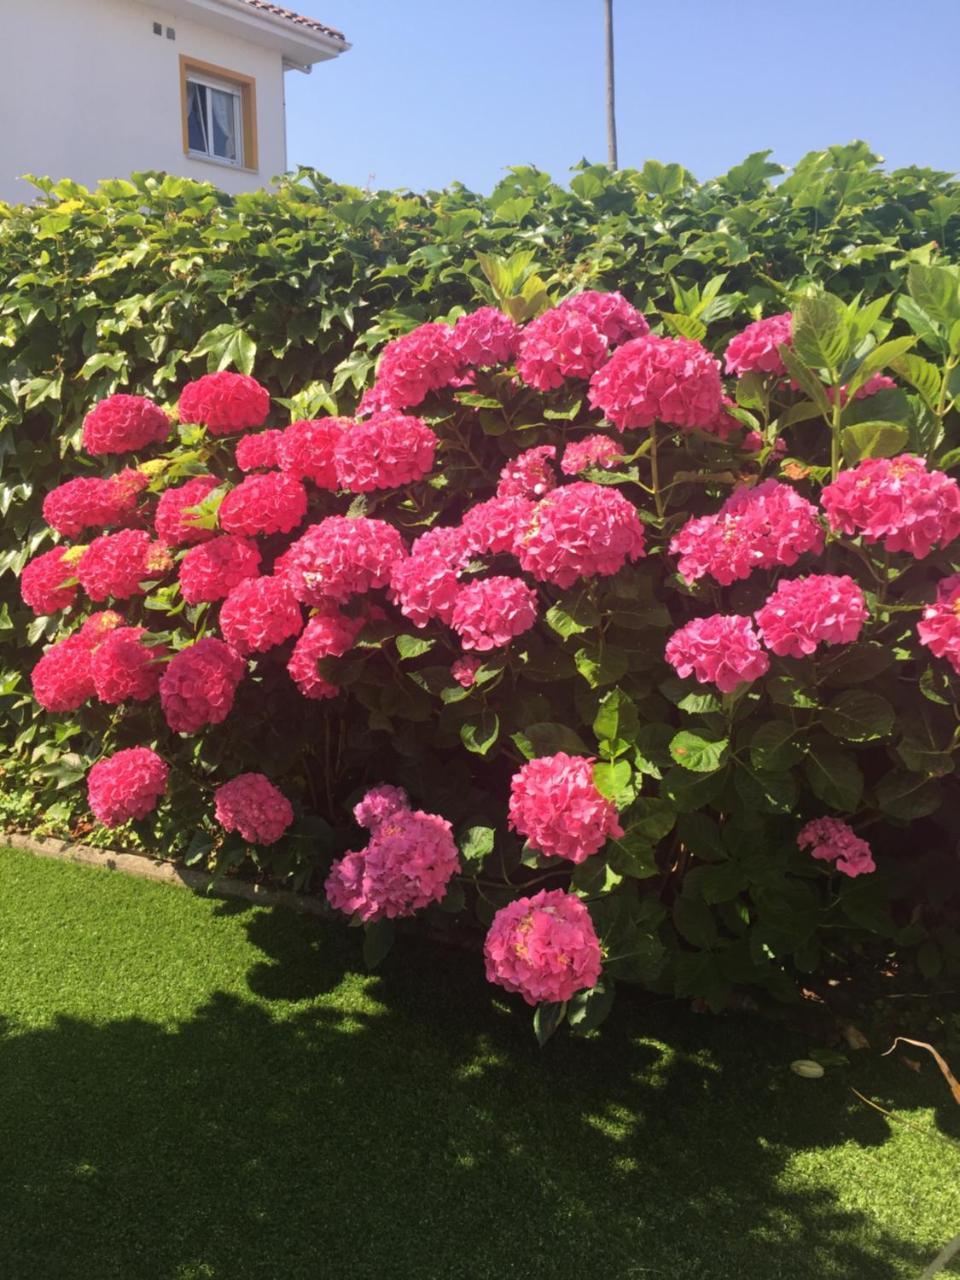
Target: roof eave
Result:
[[299, 46]]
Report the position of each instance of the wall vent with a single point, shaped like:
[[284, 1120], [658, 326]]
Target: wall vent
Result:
[[157, 29]]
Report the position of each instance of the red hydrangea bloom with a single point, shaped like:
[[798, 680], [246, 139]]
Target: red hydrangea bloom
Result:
[[939, 628], [408, 863], [488, 613], [251, 805], [544, 948], [258, 452], [62, 679], [384, 452], [126, 785], [673, 380], [174, 522], [271, 503], [529, 474], [92, 502], [224, 403], [723, 650], [555, 803], [757, 348], [328, 634], [484, 338], [116, 563], [210, 571], [756, 528], [97, 626], [199, 685], [123, 424], [494, 526], [124, 668], [806, 612], [724, 425], [464, 670], [591, 451], [306, 450], [896, 501], [611, 313], [558, 345], [578, 531], [260, 613], [833, 840], [48, 582], [449, 541], [413, 365], [425, 586], [341, 557], [379, 804]]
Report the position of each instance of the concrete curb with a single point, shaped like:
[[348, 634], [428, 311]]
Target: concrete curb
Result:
[[135, 864]]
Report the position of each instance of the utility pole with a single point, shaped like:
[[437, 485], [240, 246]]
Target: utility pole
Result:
[[611, 106]]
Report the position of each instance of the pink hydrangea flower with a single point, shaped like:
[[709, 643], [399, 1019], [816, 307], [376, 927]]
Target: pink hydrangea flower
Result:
[[578, 531], [408, 863], [224, 403], [489, 612], [260, 613], [494, 526], [896, 501], [425, 586], [804, 613], [724, 425], [258, 452], [62, 679], [124, 668], [555, 803], [115, 564], [833, 840], [264, 504], [175, 521], [126, 785], [449, 541], [98, 626], [199, 685], [252, 806], [306, 450], [939, 627], [611, 313], [464, 670], [341, 557], [384, 452], [379, 804], [328, 634], [560, 344], [48, 582], [91, 502], [876, 383], [544, 948], [723, 650], [210, 571], [124, 424], [757, 348], [529, 474], [591, 451], [413, 365], [673, 380], [756, 528], [484, 338]]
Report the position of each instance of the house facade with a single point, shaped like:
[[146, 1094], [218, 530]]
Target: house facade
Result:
[[93, 89]]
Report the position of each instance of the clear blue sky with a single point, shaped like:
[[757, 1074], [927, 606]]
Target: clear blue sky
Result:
[[437, 90]]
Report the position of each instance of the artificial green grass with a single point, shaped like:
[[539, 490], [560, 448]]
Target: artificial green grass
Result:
[[199, 1090]]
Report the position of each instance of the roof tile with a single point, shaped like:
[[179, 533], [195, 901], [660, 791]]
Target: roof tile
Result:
[[311, 24]]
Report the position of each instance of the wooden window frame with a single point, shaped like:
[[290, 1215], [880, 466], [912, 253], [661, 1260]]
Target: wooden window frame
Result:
[[246, 87]]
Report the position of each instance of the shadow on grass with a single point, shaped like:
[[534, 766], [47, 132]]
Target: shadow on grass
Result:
[[407, 1126]]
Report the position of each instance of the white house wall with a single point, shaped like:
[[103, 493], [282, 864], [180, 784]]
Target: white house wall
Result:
[[87, 91]]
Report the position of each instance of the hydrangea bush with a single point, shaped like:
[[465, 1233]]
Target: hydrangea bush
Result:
[[635, 651]]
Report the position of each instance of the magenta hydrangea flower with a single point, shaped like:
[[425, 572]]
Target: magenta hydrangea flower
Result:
[[426, 585], [224, 402], [270, 503], [555, 803], [93, 502], [544, 948], [260, 613], [210, 571], [757, 348], [341, 557], [756, 528], [379, 804], [175, 521], [494, 526], [306, 450], [592, 451], [650, 379], [62, 679], [939, 627], [560, 344], [124, 668], [578, 531], [529, 474], [484, 338], [723, 650], [253, 807], [384, 452], [611, 313], [489, 612], [328, 634], [258, 452], [124, 424], [115, 564], [48, 582], [198, 686], [464, 670], [413, 365], [896, 501], [833, 840], [804, 613], [126, 785]]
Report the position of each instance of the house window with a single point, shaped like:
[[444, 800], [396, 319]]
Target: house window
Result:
[[219, 114]]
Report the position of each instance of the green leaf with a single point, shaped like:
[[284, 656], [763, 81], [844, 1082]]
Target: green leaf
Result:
[[631, 855], [858, 716], [684, 326], [114, 360], [616, 716], [546, 1018], [700, 833], [929, 959], [694, 921], [764, 791], [479, 733], [821, 331], [773, 746], [377, 940], [413, 646], [835, 778], [547, 738], [573, 616], [805, 379], [476, 843], [588, 1009], [907, 796], [935, 290], [697, 754], [614, 780], [923, 376], [873, 440], [922, 324], [600, 665]]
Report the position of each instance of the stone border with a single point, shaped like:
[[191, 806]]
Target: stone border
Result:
[[135, 864]]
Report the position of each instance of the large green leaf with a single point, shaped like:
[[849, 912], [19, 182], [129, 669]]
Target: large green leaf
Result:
[[873, 440], [857, 715], [821, 331], [699, 755]]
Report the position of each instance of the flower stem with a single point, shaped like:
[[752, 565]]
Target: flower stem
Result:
[[655, 472]]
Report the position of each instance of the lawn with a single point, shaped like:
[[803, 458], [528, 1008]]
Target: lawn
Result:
[[198, 1089]]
